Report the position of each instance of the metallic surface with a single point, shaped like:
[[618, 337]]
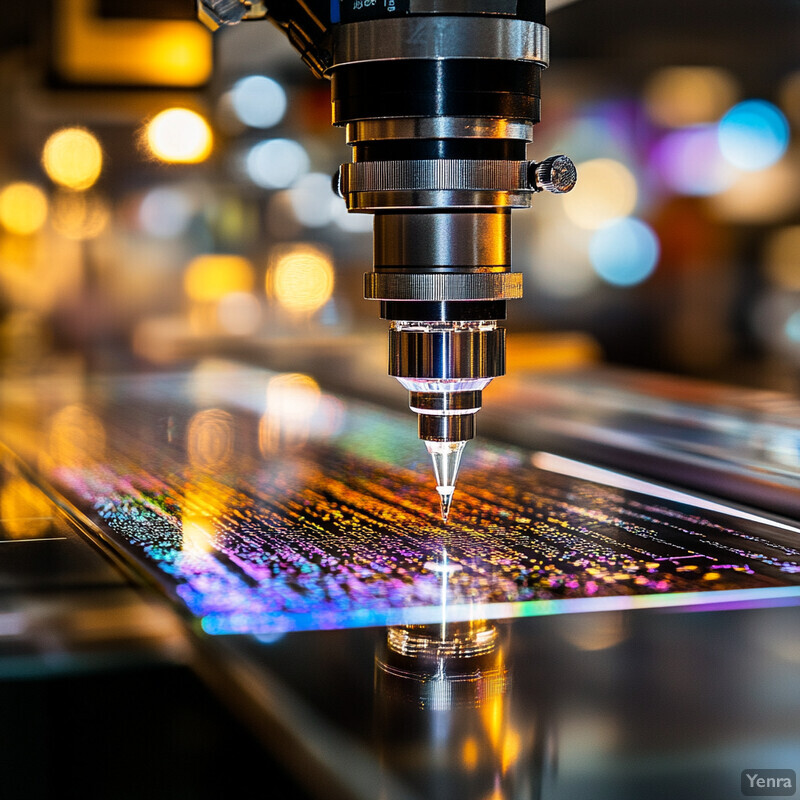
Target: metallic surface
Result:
[[444, 402], [446, 428], [556, 174], [443, 240], [439, 287], [215, 13], [374, 130], [440, 37], [442, 198], [435, 174], [447, 354], [465, 640]]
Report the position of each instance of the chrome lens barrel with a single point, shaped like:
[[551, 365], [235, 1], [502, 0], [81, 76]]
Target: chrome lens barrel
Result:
[[439, 109]]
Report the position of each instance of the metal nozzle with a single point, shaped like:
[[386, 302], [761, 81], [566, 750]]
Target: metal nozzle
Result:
[[446, 457], [445, 366]]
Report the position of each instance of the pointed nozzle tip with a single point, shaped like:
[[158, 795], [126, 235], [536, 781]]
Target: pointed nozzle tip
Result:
[[446, 496]]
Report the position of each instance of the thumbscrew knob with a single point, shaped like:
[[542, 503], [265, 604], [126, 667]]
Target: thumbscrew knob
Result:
[[556, 174]]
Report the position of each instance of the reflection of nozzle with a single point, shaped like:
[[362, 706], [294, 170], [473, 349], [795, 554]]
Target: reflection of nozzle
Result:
[[465, 669]]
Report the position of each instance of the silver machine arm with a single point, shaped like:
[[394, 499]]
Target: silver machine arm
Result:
[[438, 100]]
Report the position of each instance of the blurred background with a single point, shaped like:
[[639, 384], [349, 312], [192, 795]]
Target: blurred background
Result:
[[165, 191]]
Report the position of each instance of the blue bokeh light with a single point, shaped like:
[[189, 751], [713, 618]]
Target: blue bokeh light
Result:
[[753, 135], [624, 252], [258, 101]]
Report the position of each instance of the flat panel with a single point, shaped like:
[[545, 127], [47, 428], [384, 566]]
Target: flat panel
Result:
[[262, 505]]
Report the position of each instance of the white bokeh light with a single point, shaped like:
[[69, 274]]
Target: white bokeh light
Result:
[[276, 163], [165, 212], [258, 101]]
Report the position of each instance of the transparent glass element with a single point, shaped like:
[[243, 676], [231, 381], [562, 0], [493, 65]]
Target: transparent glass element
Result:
[[446, 457]]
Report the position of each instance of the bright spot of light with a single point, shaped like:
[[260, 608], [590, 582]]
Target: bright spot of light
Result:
[[80, 215], [301, 278], [625, 252], [571, 274], [258, 101], [292, 402], [313, 201], [210, 277], [26, 512], [179, 136], [678, 96], [23, 208], [239, 313], [605, 190], [753, 135], [276, 163], [209, 439], [72, 157], [165, 212], [690, 162]]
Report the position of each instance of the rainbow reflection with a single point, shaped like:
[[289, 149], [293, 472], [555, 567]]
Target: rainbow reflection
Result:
[[340, 529]]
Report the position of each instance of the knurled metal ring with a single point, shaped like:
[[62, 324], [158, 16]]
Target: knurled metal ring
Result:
[[439, 37], [440, 287], [435, 174]]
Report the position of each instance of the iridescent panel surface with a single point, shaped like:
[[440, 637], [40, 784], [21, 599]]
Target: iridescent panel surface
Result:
[[261, 504]]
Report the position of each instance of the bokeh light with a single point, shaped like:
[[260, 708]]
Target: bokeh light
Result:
[[292, 401], [570, 274], [80, 215], [350, 223], [23, 208], [209, 439], [606, 189], [77, 437], [689, 161], [179, 136], [678, 96], [72, 157], [210, 277], [773, 196], [276, 163], [25, 510], [753, 135], [301, 278], [258, 101], [313, 202], [239, 313], [624, 252], [165, 212]]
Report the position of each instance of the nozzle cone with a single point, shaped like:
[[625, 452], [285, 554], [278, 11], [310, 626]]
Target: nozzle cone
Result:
[[446, 496], [446, 457]]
